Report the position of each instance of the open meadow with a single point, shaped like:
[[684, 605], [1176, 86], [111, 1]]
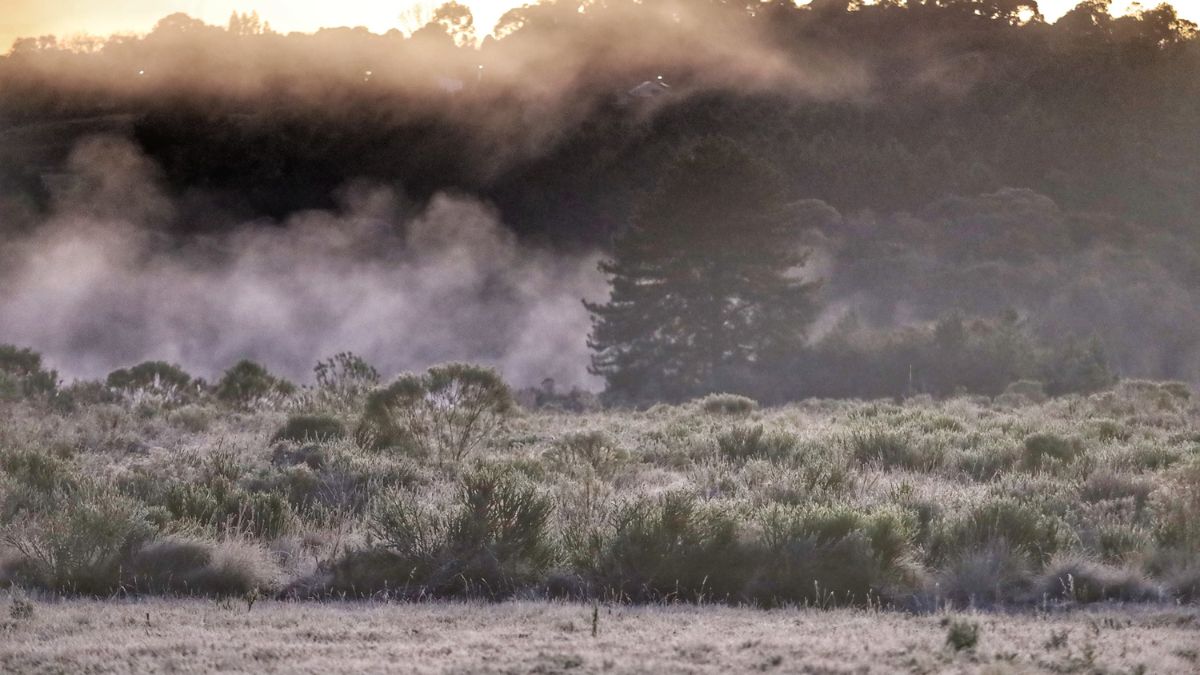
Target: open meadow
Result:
[[154, 636], [436, 524]]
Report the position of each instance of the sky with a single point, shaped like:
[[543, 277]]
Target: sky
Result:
[[64, 18]]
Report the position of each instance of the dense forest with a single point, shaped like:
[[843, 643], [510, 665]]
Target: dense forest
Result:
[[981, 197]]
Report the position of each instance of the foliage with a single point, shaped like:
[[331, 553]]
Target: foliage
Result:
[[345, 376], [666, 548], [748, 442], [1044, 447], [448, 411], [247, 382], [703, 290], [22, 373], [78, 545], [493, 541], [221, 506], [834, 555], [961, 634], [310, 429], [157, 375], [183, 565], [728, 404]]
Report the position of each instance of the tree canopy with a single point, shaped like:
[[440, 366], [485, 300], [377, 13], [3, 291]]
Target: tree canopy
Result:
[[705, 282]]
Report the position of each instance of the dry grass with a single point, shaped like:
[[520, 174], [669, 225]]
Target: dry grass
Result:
[[916, 504], [206, 636]]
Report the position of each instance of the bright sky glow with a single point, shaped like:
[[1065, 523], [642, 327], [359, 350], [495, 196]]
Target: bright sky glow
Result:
[[64, 18]]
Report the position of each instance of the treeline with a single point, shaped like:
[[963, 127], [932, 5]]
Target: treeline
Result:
[[932, 158], [934, 99]]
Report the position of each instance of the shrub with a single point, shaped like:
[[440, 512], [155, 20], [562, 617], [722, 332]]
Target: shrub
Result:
[[1085, 581], [22, 374], [155, 375], [179, 564], [448, 411], [1029, 390], [344, 379], [985, 575], [890, 449], [345, 373], [20, 609], [728, 404], [743, 443], [1108, 485], [391, 416], [191, 418], [1185, 583], [248, 382], [1078, 580], [665, 548], [222, 506], [310, 429], [37, 470], [594, 449], [493, 541], [1043, 447], [1023, 527], [79, 544], [501, 532], [833, 555], [961, 634], [465, 404]]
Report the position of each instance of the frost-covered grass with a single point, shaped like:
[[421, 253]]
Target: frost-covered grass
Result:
[[152, 636], [920, 505]]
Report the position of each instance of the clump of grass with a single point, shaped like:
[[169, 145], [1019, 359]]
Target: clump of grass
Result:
[[20, 608], [961, 634]]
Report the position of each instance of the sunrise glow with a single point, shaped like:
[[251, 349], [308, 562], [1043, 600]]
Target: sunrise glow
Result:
[[67, 18]]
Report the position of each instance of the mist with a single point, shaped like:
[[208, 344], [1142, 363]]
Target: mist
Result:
[[203, 194], [100, 284]]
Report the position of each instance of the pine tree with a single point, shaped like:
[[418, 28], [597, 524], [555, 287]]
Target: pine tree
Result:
[[706, 293]]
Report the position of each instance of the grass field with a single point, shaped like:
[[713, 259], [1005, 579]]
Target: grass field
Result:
[[318, 528], [538, 637]]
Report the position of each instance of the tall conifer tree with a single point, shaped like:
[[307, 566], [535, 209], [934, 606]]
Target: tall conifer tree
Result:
[[706, 291]]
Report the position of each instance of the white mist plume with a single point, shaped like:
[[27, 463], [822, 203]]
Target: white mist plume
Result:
[[102, 286]]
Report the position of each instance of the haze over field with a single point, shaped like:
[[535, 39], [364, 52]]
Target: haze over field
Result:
[[601, 336], [206, 193]]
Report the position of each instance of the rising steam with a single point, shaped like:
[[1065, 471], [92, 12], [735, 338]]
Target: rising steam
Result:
[[100, 286]]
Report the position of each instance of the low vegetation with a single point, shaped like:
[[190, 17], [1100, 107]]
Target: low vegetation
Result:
[[436, 485]]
